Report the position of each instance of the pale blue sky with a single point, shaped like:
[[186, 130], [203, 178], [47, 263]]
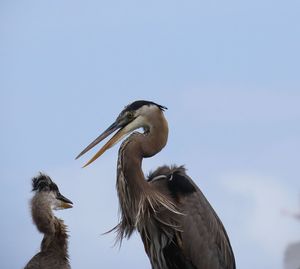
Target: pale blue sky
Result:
[[227, 70]]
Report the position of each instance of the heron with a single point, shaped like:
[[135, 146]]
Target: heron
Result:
[[178, 226], [54, 246]]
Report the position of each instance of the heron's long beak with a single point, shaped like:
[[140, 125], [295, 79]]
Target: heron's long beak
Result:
[[65, 202], [115, 139]]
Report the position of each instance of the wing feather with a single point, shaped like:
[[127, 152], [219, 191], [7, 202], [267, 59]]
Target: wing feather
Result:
[[202, 241]]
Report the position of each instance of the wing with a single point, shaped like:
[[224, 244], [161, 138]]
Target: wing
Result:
[[202, 241]]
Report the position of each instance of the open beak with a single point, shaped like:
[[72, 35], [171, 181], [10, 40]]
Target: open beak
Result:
[[65, 202], [115, 139]]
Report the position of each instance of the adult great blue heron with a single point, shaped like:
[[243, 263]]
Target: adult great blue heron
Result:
[[178, 226], [54, 247]]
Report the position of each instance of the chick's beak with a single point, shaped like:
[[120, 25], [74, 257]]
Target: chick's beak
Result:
[[65, 202]]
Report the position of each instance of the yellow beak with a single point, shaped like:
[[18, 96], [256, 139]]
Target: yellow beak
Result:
[[115, 139]]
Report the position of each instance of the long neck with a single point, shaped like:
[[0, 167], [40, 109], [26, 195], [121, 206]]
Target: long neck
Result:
[[131, 184], [139, 146], [156, 138], [54, 230]]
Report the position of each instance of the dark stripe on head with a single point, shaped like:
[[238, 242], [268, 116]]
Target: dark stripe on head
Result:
[[43, 183], [138, 104]]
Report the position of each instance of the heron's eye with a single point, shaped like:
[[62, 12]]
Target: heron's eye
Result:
[[130, 115]]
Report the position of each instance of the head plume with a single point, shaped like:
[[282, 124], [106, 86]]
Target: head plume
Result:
[[42, 182], [138, 104]]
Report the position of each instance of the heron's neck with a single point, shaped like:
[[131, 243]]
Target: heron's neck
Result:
[[137, 147], [54, 230], [154, 140]]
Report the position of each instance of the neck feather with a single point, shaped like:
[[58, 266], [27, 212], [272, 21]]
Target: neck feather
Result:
[[131, 185], [54, 230], [42, 214], [156, 138], [139, 146]]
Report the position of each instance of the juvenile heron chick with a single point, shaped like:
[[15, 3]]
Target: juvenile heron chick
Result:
[[54, 246]]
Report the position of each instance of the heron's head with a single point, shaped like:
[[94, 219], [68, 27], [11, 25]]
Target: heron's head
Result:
[[136, 115], [43, 185]]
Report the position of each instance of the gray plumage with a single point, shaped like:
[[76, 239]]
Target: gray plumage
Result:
[[178, 226], [54, 246]]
